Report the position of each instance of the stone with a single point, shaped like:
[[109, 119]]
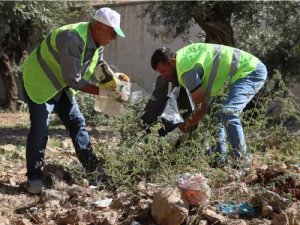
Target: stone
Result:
[[235, 188], [266, 211], [107, 218], [235, 222], [49, 194], [213, 217], [289, 216], [257, 221], [273, 199], [203, 222], [169, 207]]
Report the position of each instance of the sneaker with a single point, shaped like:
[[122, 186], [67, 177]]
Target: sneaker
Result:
[[100, 177], [34, 186]]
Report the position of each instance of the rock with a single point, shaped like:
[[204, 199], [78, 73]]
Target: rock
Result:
[[51, 204], [203, 222], [289, 216], [270, 198], [251, 178], [169, 207], [107, 218], [234, 188], [122, 200], [24, 221], [72, 216], [257, 221], [213, 217], [5, 221], [266, 210], [235, 222], [50, 194]]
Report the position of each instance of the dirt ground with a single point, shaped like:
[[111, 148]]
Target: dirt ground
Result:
[[69, 197]]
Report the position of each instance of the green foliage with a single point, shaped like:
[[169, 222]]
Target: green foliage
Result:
[[135, 156], [42, 15], [266, 29]]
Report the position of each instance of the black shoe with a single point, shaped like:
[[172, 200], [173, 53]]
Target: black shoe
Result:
[[35, 186], [99, 176]]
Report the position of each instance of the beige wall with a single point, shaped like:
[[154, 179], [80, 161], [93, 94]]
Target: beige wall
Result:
[[132, 54]]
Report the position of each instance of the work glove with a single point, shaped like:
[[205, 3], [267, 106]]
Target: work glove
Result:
[[110, 80], [173, 136], [123, 77], [123, 87], [109, 84]]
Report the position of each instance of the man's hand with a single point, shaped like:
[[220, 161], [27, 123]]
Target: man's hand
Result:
[[174, 136]]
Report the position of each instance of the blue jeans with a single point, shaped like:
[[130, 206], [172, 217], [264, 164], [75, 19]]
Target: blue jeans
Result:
[[230, 127], [37, 138]]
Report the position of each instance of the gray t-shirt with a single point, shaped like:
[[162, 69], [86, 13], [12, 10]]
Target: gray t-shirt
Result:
[[193, 78]]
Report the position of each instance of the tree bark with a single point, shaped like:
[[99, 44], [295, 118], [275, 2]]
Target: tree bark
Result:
[[216, 25], [11, 91]]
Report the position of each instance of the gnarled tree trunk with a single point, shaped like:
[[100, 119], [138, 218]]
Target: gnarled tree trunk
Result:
[[216, 25], [11, 91]]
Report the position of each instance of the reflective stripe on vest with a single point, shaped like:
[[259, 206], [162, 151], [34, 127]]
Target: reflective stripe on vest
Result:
[[47, 70], [213, 71], [220, 64]]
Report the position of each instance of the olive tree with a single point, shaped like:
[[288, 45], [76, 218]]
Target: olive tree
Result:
[[267, 29], [19, 21]]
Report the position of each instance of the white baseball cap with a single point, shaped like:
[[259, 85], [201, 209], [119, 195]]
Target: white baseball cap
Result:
[[109, 17]]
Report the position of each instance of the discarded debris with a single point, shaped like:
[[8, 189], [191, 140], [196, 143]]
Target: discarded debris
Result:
[[103, 202], [195, 189]]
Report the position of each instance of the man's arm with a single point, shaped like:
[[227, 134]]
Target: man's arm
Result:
[[90, 89], [199, 112]]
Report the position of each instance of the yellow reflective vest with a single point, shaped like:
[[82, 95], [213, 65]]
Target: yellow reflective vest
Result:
[[220, 64], [42, 73]]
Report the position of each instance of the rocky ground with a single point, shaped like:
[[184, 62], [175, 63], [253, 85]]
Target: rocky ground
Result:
[[271, 192]]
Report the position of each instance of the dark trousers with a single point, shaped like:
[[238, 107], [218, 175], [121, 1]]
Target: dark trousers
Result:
[[70, 115]]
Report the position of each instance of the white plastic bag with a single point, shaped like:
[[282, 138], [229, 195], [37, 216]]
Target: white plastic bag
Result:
[[171, 112], [195, 189], [106, 102]]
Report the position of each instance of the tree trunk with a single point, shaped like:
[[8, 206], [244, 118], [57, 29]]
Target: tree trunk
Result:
[[11, 91], [216, 25]]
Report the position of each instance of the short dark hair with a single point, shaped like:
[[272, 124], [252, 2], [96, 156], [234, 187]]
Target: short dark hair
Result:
[[161, 55]]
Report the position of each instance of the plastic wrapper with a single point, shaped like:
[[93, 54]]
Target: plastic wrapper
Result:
[[171, 112], [195, 189]]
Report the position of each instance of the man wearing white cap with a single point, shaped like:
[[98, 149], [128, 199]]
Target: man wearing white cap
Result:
[[54, 72]]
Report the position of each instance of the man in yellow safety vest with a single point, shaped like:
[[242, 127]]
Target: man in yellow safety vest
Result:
[[54, 72], [205, 69]]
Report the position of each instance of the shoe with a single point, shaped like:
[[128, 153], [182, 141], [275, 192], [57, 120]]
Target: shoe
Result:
[[34, 186], [100, 177]]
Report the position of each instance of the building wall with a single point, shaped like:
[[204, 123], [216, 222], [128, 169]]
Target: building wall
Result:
[[132, 54]]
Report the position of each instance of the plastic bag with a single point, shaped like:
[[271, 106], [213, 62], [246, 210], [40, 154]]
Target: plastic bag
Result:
[[195, 189], [106, 102], [171, 112]]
